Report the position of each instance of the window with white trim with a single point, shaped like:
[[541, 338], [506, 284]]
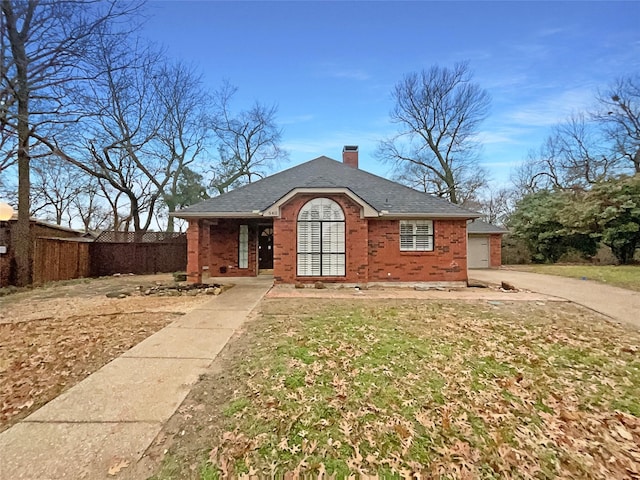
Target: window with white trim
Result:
[[416, 235], [243, 247], [321, 239]]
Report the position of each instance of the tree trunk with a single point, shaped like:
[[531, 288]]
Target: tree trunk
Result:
[[23, 245], [17, 42], [170, 220]]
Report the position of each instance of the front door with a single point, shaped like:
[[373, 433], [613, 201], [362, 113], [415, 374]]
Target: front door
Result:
[[265, 247]]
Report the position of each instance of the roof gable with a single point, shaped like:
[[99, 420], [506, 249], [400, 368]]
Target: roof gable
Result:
[[386, 197]]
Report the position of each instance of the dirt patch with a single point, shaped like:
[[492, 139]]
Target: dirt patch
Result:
[[53, 337]]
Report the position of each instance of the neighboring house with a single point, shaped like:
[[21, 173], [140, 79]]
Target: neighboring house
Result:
[[484, 244], [329, 221]]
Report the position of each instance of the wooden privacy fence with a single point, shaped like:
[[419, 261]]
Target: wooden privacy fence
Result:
[[138, 258], [60, 259], [65, 258]]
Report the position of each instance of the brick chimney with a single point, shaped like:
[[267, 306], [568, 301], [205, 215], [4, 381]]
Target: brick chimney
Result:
[[350, 155]]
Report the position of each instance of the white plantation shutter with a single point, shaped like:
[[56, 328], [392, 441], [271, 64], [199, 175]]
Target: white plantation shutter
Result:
[[321, 239], [416, 235], [333, 265], [424, 235], [406, 236], [333, 237]]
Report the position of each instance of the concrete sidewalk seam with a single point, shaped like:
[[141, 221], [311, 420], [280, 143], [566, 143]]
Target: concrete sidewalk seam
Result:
[[90, 422], [142, 357], [200, 328]]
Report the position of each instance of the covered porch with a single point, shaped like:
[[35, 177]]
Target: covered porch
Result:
[[229, 247]]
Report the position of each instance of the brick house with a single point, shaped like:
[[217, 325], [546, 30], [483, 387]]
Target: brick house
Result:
[[330, 221]]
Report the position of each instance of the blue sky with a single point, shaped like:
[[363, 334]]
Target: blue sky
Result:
[[330, 66]]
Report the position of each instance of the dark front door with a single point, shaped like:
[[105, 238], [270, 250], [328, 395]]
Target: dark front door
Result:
[[265, 247]]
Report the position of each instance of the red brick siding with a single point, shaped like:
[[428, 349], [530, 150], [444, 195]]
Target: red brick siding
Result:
[[216, 246], [285, 242], [223, 248], [495, 250], [194, 252], [372, 248], [447, 263], [350, 158]]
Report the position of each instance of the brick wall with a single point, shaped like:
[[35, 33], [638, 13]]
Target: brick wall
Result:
[[194, 252], [223, 249], [213, 248], [285, 242], [447, 262], [495, 250], [372, 248]]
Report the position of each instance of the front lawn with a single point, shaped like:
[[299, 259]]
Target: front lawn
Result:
[[414, 389], [625, 276]]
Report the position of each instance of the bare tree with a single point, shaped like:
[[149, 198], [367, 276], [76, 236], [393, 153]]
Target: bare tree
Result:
[[122, 121], [8, 187], [8, 143], [54, 187], [145, 123], [183, 133], [621, 118], [248, 142], [529, 176], [574, 155], [581, 155], [420, 178], [438, 112], [48, 42], [495, 205], [90, 207], [588, 148]]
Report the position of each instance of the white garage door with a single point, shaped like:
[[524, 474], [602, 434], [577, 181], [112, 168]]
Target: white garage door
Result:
[[478, 252]]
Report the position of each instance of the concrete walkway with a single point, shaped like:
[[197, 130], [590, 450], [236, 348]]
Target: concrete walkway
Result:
[[617, 303], [112, 416]]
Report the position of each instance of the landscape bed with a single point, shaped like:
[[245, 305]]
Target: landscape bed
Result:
[[413, 389]]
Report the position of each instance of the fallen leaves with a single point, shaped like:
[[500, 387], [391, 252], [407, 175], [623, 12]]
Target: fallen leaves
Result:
[[429, 390], [55, 337], [117, 467]]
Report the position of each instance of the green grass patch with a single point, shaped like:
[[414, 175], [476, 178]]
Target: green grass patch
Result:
[[624, 276], [236, 406], [438, 389]]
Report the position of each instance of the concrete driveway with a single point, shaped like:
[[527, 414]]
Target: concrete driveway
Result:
[[617, 303]]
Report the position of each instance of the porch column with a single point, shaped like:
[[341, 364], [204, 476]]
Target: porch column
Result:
[[205, 242], [195, 255]]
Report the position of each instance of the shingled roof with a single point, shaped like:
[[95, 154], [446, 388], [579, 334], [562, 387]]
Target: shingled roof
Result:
[[386, 197], [478, 226]]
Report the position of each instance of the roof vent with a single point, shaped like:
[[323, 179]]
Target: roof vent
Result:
[[350, 155]]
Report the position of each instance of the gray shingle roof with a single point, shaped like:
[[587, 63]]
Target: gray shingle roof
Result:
[[324, 172], [478, 226]]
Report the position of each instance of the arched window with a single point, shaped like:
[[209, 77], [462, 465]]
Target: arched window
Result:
[[321, 246]]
